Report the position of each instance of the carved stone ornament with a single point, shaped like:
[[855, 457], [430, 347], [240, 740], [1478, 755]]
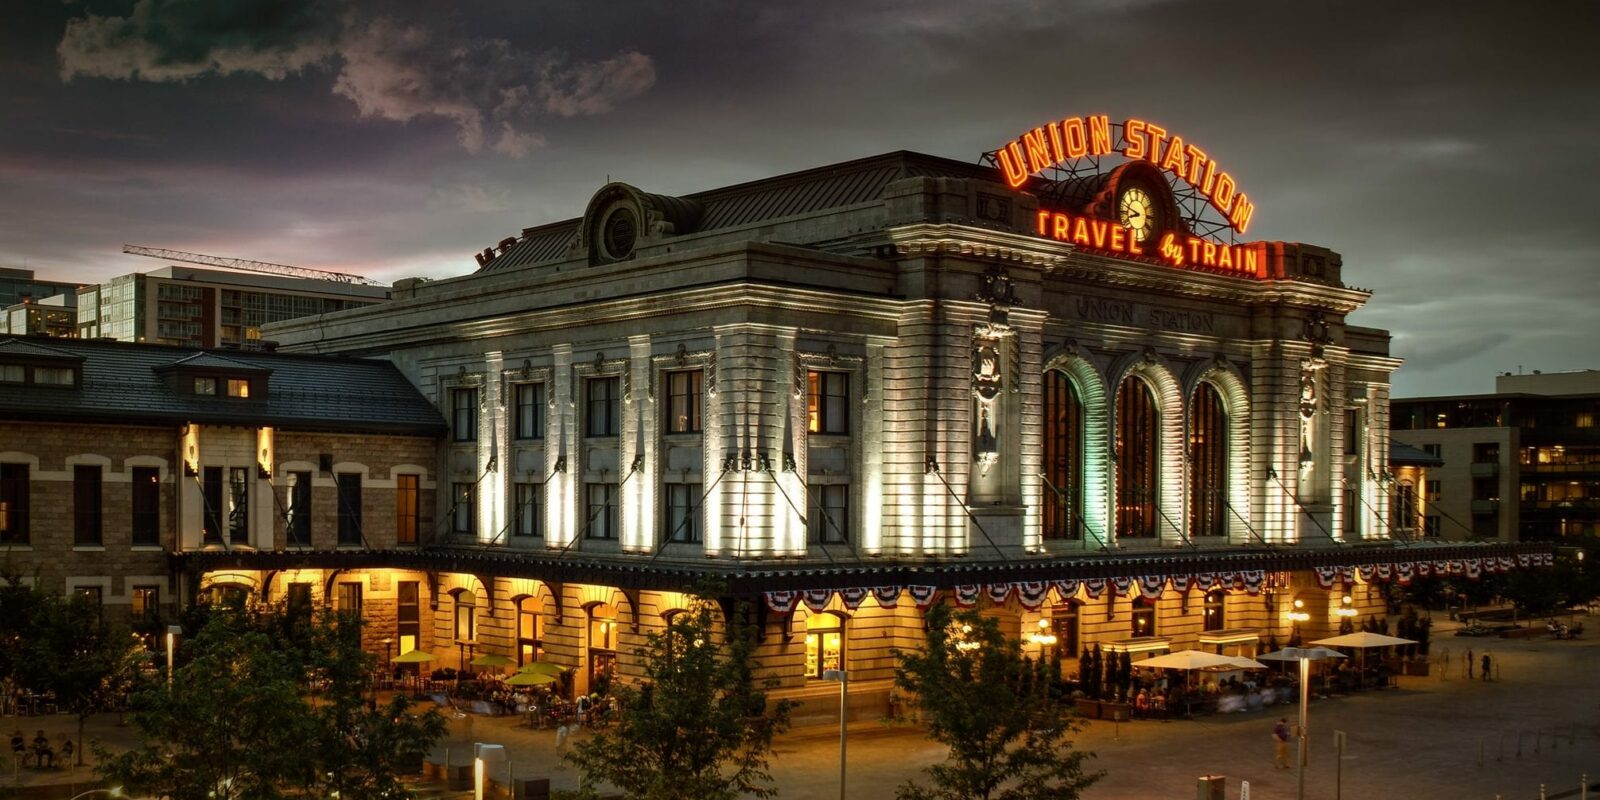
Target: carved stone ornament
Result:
[[1316, 331], [711, 375], [797, 374], [599, 362], [1001, 295], [986, 448], [681, 358], [986, 378], [627, 387]]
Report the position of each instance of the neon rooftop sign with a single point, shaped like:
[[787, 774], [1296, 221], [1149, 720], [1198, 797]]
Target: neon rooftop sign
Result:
[[1058, 142]]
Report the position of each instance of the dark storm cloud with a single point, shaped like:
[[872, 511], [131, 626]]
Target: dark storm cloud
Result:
[[391, 68], [1444, 148]]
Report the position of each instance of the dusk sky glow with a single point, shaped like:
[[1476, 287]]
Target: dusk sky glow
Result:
[[1443, 148]]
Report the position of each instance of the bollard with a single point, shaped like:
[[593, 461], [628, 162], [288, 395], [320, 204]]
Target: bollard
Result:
[[1541, 792], [1583, 787]]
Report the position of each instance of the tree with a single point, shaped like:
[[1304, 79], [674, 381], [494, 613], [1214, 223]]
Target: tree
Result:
[[1008, 736], [697, 728], [266, 705]]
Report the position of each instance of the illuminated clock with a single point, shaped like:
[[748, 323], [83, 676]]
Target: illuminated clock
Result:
[[1137, 212]]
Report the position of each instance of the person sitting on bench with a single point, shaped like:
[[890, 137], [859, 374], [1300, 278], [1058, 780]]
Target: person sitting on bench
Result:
[[42, 752]]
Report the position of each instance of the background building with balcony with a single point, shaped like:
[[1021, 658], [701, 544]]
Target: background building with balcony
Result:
[[18, 285], [1522, 463], [55, 315]]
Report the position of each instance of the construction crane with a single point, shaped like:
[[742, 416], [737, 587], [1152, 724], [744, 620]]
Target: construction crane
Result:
[[248, 265]]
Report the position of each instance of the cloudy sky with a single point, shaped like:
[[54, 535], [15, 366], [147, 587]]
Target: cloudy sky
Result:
[[1447, 149]]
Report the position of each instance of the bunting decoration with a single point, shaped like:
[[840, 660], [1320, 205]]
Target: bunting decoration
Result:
[[1403, 572], [967, 595], [1325, 576], [1205, 580], [1522, 559], [1456, 567], [1365, 573], [887, 596], [1253, 580], [817, 599], [1228, 580], [999, 593], [1472, 569], [782, 602], [922, 596], [1385, 572], [1424, 569], [1151, 586], [1180, 583], [1066, 590], [1507, 563], [852, 597], [1032, 593], [1121, 586], [1094, 587]]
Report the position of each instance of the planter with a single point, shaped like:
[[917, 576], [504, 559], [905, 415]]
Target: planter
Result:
[[1115, 711], [1088, 709]]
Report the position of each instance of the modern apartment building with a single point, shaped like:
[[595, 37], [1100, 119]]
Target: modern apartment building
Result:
[[1522, 463], [17, 285], [192, 307], [56, 315]]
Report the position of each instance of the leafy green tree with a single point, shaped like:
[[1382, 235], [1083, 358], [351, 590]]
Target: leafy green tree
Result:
[[699, 727], [268, 705], [1008, 734]]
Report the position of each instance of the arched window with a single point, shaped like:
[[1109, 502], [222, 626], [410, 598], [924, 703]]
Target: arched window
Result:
[[466, 616], [1216, 610], [1144, 616], [602, 642], [1138, 450], [1208, 463], [1063, 457], [824, 644], [530, 631], [1064, 624]]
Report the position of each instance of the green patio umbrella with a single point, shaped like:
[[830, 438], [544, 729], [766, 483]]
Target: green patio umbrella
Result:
[[414, 657], [530, 679], [490, 660], [544, 668]]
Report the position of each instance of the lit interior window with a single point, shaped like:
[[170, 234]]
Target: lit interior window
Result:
[[237, 388], [824, 644]]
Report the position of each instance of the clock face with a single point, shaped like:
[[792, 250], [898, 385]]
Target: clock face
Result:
[[1138, 213]]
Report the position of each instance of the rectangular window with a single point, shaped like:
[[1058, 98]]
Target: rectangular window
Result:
[[349, 484], [53, 376], [146, 505], [1485, 452], [299, 528], [1432, 488], [408, 616], [347, 600], [682, 519], [93, 596], [1430, 526], [1352, 513], [406, 509], [146, 604], [600, 510], [239, 505], [530, 410], [238, 388], [827, 404], [1431, 449], [86, 503], [684, 402], [14, 503], [828, 517], [602, 410], [464, 508], [1352, 432], [464, 414], [211, 496], [529, 509], [205, 386], [13, 373]]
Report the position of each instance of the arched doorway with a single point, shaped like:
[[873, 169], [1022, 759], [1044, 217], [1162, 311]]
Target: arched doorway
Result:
[[825, 644], [602, 645], [465, 623], [1208, 463], [1063, 457], [530, 630], [1138, 452]]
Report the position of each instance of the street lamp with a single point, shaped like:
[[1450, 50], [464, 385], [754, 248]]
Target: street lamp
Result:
[[172, 650], [1043, 637], [844, 715], [1297, 616], [1304, 655]]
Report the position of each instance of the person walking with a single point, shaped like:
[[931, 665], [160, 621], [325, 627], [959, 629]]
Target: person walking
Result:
[[1469, 663], [1485, 666], [1280, 744]]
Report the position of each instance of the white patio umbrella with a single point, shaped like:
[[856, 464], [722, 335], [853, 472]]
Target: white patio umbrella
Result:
[[1186, 659], [1240, 662], [1363, 639]]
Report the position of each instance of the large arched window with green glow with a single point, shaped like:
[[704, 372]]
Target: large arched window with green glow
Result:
[[1208, 463], [1138, 453], [1063, 457]]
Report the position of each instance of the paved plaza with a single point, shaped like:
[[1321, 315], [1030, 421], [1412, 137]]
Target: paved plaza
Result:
[[1432, 738]]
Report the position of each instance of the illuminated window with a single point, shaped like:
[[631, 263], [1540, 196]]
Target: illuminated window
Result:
[[683, 402], [408, 615], [54, 376], [824, 644], [1138, 447], [602, 642], [603, 409], [238, 505], [211, 498], [146, 604], [530, 644], [14, 486], [1064, 623], [205, 386], [1208, 463], [1216, 610], [238, 388], [466, 616], [464, 414], [1144, 616], [464, 508], [1063, 457], [407, 508], [828, 402], [347, 598], [530, 411], [13, 373], [299, 526]]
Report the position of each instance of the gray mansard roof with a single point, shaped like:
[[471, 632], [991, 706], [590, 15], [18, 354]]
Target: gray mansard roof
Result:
[[134, 384], [765, 200]]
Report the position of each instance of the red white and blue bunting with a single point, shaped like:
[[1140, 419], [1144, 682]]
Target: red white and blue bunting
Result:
[[1032, 595]]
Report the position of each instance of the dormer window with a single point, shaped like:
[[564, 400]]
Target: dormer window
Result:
[[205, 386], [238, 388], [37, 365], [212, 375], [55, 376], [13, 373]]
